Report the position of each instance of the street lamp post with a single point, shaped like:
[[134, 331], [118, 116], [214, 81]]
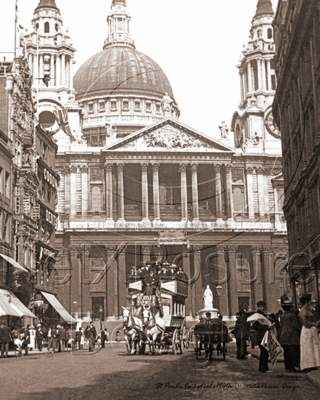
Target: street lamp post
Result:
[[101, 312], [219, 289]]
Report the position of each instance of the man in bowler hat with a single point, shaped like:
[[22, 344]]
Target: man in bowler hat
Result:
[[91, 334]]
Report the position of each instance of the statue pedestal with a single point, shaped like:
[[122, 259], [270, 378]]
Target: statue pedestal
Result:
[[212, 311]]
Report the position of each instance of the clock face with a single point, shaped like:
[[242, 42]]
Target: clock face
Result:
[[271, 125]]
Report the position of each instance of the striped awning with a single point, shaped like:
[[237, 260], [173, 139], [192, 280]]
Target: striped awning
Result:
[[17, 305], [59, 307], [6, 306]]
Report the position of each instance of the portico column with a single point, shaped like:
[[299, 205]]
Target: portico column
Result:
[[190, 301], [244, 84], [73, 190], [30, 62], [112, 283], [233, 282], [218, 193], [249, 77], [195, 199], [241, 86], [79, 191], [145, 213], [67, 190], [268, 269], [259, 73], [109, 192], [269, 75], [250, 192], [261, 191], [276, 207], [120, 193], [156, 198], [223, 281], [58, 70], [122, 279], [52, 75], [36, 70], [63, 69], [229, 192], [41, 71], [263, 73], [184, 195], [84, 170], [61, 192], [257, 279], [198, 277]]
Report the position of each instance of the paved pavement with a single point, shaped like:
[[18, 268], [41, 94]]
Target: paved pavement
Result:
[[113, 374]]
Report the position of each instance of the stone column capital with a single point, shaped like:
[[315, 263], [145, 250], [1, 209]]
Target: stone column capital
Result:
[[73, 169], [266, 250], [194, 167], [249, 170], [221, 249], [155, 166], [84, 168], [146, 250], [228, 167], [217, 167], [255, 249], [183, 167], [120, 166], [144, 166], [232, 249], [108, 166], [197, 249]]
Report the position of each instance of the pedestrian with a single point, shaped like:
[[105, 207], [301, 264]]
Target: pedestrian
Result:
[[118, 336], [16, 337], [50, 338], [91, 334], [103, 338], [260, 332], [39, 336], [241, 334], [62, 338], [290, 331], [55, 336], [309, 340], [79, 338], [5, 339], [25, 335]]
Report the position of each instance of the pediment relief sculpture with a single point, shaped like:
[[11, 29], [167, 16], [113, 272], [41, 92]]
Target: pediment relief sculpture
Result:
[[169, 138]]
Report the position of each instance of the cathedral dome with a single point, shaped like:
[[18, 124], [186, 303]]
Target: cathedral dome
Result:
[[120, 70], [47, 4]]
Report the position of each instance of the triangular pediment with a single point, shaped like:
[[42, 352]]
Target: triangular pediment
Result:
[[168, 135]]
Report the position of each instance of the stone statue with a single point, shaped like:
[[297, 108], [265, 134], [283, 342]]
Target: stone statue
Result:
[[166, 105], [224, 130], [208, 298], [111, 133]]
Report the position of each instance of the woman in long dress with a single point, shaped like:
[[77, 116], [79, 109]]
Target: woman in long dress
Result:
[[309, 340]]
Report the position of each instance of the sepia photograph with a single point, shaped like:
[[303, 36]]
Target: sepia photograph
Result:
[[159, 199]]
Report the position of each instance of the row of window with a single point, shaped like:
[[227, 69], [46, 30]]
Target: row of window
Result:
[[47, 27], [124, 105]]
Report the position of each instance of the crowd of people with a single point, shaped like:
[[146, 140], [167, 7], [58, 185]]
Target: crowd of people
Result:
[[58, 338], [296, 330]]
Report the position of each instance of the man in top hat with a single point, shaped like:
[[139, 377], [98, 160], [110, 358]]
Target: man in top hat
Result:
[[91, 334], [290, 330], [260, 332]]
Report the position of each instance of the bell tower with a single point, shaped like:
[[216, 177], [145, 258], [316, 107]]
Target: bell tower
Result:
[[51, 58], [255, 131]]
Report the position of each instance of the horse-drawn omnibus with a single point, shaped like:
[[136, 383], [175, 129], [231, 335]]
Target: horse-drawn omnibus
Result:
[[156, 316]]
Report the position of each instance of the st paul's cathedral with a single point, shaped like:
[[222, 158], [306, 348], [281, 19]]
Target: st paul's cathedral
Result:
[[137, 184]]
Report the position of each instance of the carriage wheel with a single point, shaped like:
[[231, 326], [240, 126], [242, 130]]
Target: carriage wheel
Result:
[[197, 349], [185, 337], [174, 339]]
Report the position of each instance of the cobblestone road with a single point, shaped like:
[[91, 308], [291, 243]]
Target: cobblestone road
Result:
[[112, 374]]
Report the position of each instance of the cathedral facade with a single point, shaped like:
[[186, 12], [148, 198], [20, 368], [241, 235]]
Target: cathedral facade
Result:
[[137, 184]]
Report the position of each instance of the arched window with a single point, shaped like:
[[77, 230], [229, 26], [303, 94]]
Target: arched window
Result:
[[57, 27], [269, 33], [47, 27]]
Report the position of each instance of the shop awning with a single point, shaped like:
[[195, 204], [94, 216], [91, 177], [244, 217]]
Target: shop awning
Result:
[[59, 308], [16, 304], [6, 307], [13, 262]]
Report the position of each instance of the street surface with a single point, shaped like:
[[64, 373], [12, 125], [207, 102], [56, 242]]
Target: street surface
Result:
[[113, 374]]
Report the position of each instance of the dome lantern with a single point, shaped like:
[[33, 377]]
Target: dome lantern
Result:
[[118, 26]]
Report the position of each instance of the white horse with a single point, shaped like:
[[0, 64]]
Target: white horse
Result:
[[132, 327], [155, 330]]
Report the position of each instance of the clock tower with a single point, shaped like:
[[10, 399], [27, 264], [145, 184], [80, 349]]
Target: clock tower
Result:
[[254, 129]]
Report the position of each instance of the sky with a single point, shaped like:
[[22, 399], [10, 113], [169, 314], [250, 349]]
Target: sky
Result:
[[197, 44]]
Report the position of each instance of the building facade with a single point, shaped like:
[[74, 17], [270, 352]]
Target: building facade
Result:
[[297, 35], [136, 184]]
